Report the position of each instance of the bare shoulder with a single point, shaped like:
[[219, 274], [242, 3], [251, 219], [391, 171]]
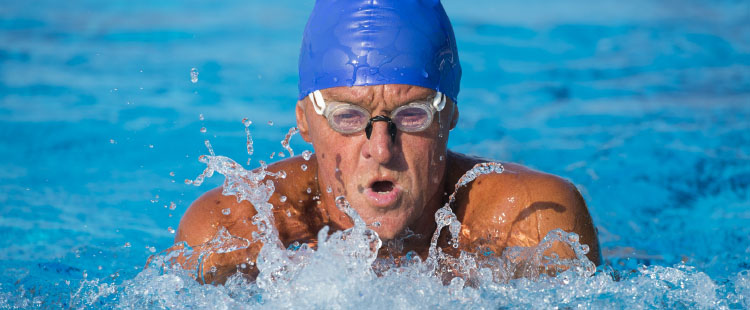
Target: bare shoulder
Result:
[[520, 206], [213, 210]]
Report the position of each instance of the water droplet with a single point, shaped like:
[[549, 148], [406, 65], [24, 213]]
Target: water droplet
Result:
[[247, 122], [200, 116], [441, 157], [112, 141], [127, 244], [270, 123], [329, 189], [272, 154], [151, 146], [226, 211], [282, 174], [172, 205], [213, 269], [306, 154], [285, 142], [288, 213], [309, 190], [304, 167], [203, 129], [170, 230], [376, 224], [188, 181], [282, 198], [194, 75], [171, 173], [282, 155]]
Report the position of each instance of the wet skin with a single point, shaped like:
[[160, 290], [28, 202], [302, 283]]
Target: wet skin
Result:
[[397, 184]]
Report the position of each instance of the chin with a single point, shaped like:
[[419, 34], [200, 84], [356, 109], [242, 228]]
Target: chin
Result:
[[389, 228]]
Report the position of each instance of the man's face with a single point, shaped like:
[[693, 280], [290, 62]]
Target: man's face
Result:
[[385, 181]]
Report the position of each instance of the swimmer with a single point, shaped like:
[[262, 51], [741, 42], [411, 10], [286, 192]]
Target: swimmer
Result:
[[378, 97]]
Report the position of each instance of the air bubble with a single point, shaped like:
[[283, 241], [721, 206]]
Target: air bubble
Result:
[[304, 167], [170, 230], [203, 129], [127, 245], [171, 173], [282, 198], [270, 123], [226, 211], [309, 190], [306, 154], [172, 205], [329, 189], [200, 116]]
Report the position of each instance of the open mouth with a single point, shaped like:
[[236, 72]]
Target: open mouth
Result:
[[382, 193], [382, 187]]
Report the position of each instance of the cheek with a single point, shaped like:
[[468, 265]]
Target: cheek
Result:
[[425, 157]]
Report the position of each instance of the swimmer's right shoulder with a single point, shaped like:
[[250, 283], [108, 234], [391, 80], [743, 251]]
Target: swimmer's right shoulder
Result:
[[213, 210]]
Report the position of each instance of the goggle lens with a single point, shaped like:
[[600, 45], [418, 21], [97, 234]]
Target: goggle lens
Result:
[[348, 118], [412, 118]]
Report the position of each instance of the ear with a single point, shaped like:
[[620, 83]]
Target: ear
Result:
[[454, 118], [302, 120]]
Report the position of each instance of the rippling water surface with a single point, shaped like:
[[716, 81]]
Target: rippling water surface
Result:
[[644, 105]]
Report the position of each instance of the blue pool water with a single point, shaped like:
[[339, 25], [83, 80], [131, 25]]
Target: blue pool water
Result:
[[644, 105]]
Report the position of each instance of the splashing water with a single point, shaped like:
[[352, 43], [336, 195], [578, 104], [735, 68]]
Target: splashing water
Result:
[[194, 75], [285, 142], [340, 272], [249, 137]]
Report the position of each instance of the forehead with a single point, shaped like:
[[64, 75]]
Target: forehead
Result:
[[388, 95]]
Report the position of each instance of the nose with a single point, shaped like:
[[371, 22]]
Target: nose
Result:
[[380, 145]]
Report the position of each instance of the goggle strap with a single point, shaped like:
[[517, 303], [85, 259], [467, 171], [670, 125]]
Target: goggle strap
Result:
[[318, 103], [439, 101]]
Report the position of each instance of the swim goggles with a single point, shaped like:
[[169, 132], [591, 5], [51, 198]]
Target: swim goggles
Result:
[[348, 118]]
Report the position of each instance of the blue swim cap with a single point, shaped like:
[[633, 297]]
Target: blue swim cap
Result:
[[375, 42]]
